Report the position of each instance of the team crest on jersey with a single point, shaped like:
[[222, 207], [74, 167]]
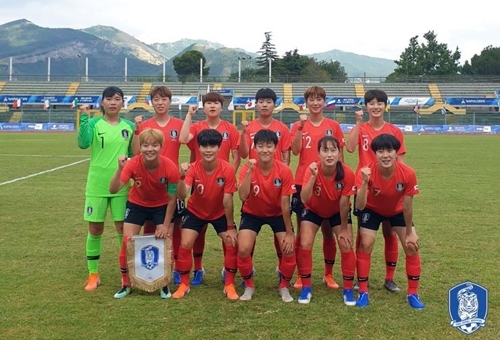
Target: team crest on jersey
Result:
[[225, 135], [150, 256], [163, 180], [277, 182], [468, 306], [90, 210], [365, 217], [174, 134], [329, 132], [339, 186], [220, 181], [125, 134], [400, 187]]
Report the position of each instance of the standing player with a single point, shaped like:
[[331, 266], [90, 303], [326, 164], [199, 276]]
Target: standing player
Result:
[[213, 181], [305, 136], [161, 98], [326, 189], [212, 106], [265, 101], [363, 134], [152, 197], [108, 137], [265, 189], [385, 192]]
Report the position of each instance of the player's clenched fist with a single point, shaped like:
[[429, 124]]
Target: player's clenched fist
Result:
[[122, 160], [359, 116], [192, 109], [243, 126], [251, 164], [314, 169], [302, 120], [366, 172], [138, 120], [84, 108], [184, 168]]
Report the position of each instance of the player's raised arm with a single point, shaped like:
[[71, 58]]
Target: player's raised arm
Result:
[[86, 128], [245, 187], [116, 183], [185, 136], [352, 141], [182, 187], [243, 148], [297, 135], [309, 180], [135, 141], [363, 189]]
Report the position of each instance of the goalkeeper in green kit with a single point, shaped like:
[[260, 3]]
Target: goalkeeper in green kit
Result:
[[108, 136]]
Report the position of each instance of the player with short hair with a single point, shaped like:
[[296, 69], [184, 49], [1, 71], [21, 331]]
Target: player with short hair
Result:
[[213, 181], [305, 136], [107, 136], [326, 189], [161, 98], [212, 106], [362, 135], [265, 189], [151, 198], [265, 103], [385, 192]]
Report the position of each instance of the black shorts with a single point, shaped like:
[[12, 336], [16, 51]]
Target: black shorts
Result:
[[255, 223], [311, 216], [371, 220], [191, 221], [297, 205], [180, 207], [137, 214]]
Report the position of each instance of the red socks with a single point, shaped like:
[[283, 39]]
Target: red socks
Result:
[[230, 263], [245, 266], [184, 264], [198, 247], [413, 270], [329, 254], [348, 264], [304, 266], [287, 268], [122, 259], [391, 255], [363, 266]]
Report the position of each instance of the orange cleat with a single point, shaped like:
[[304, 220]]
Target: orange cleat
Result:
[[330, 282], [181, 291], [230, 292], [298, 283], [92, 282]]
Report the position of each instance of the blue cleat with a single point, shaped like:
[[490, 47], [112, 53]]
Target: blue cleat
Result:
[[177, 278], [198, 277], [414, 302], [305, 295], [349, 299], [363, 299]]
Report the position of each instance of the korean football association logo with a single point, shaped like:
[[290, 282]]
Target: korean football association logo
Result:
[[468, 307]]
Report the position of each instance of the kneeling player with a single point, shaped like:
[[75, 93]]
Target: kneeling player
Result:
[[213, 181], [265, 189], [385, 192], [152, 197]]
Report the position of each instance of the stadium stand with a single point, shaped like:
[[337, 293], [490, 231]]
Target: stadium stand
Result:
[[35, 88]]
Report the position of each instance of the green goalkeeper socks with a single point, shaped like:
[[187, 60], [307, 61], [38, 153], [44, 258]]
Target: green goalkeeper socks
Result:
[[93, 253], [120, 239]]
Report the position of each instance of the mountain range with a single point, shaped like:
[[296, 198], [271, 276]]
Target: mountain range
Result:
[[106, 48]]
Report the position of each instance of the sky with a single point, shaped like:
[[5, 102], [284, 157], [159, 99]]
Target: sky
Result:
[[373, 28]]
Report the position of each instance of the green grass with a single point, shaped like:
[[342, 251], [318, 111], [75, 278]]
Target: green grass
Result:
[[42, 245]]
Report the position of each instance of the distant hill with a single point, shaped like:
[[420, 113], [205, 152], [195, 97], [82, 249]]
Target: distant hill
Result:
[[107, 47]]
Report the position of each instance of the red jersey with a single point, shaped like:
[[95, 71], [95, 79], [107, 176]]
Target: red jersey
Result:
[[266, 191], [385, 196], [281, 130], [310, 136], [150, 189], [325, 198], [365, 136], [171, 131], [206, 199], [230, 138]]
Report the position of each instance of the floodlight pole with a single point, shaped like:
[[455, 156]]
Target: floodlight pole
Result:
[[126, 62], [270, 68], [239, 70], [48, 70], [201, 70], [10, 69]]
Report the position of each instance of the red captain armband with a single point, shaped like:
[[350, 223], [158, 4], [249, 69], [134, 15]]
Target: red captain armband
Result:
[[137, 132], [183, 177], [230, 227]]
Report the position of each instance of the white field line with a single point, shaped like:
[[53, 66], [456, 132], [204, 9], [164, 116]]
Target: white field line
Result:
[[42, 172]]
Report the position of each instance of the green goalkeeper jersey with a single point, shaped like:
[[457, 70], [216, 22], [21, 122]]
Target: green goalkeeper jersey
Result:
[[107, 142]]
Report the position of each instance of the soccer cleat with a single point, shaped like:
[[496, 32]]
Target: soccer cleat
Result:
[[305, 295], [349, 299], [363, 299], [198, 277], [92, 282], [285, 295], [124, 291], [230, 292], [330, 282], [247, 295], [165, 293], [414, 301], [181, 291], [298, 284], [391, 286], [177, 278]]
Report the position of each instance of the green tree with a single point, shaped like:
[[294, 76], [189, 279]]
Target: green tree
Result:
[[267, 51], [428, 58], [486, 64], [334, 69], [187, 66]]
